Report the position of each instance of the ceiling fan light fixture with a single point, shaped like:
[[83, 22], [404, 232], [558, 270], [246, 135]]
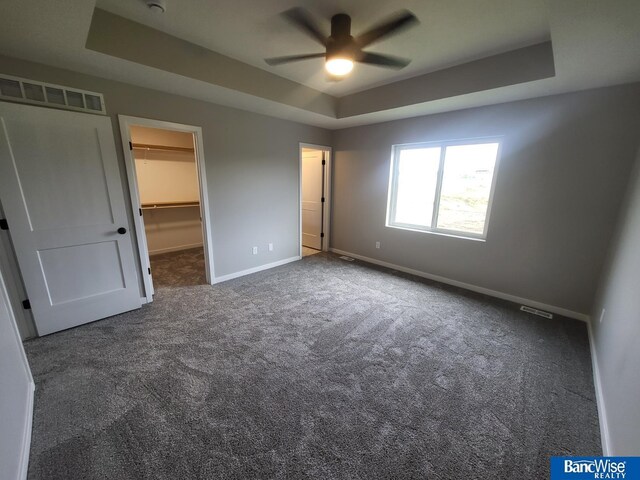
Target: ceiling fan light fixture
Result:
[[339, 66], [341, 49]]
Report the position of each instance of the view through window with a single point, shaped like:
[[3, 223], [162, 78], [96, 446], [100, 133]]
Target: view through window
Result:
[[442, 187]]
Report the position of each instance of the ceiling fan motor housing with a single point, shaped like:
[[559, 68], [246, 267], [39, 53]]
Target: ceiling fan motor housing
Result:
[[341, 44]]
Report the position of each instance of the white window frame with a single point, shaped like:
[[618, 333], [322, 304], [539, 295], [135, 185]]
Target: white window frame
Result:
[[393, 187]]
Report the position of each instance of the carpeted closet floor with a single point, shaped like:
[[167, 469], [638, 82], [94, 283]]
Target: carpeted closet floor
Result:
[[319, 369], [178, 269]]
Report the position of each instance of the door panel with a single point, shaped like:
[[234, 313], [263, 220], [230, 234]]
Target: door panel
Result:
[[73, 271], [311, 224], [61, 189], [312, 190], [61, 155]]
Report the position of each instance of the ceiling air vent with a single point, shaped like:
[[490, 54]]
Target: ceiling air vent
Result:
[[22, 90]]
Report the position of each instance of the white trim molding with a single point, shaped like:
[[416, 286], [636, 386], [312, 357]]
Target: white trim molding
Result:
[[597, 383], [126, 122], [392, 195], [259, 268], [467, 286], [326, 206], [26, 438], [25, 441]]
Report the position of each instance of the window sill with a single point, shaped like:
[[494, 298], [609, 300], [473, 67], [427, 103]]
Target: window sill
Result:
[[460, 235]]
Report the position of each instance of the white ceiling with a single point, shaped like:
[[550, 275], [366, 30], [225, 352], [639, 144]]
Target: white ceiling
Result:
[[450, 32], [595, 43]]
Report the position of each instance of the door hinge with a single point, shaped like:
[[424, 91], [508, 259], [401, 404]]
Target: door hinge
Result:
[[140, 211], [26, 304], [324, 162], [322, 235], [149, 270], [322, 199], [130, 146], [4, 225]]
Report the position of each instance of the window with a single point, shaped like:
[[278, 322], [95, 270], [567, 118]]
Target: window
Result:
[[443, 187]]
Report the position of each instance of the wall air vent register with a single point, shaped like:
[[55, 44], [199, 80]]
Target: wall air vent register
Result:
[[22, 90]]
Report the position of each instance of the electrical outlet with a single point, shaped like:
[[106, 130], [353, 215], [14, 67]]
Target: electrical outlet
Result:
[[602, 315], [377, 244], [271, 247], [254, 250]]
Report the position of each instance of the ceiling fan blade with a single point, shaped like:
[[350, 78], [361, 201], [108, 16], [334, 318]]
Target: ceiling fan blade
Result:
[[383, 60], [301, 19], [399, 21], [292, 58]]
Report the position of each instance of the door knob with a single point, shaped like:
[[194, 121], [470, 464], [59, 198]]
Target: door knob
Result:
[[122, 230]]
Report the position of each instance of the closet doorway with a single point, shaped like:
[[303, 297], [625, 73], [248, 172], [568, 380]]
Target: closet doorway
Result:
[[165, 169]]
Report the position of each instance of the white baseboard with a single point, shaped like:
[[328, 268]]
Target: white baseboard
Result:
[[467, 286], [602, 411], [267, 266], [26, 437], [174, 249]]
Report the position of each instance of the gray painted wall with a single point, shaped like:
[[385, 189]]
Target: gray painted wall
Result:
[[616, 339], [251, 163], [565, 160]]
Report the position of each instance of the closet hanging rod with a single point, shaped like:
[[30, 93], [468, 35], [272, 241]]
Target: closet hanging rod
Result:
[[149, 146], [153, 206]]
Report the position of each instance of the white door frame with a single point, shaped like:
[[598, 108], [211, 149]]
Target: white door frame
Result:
[[10, 270], [126, 122], [326, 206], [16, 449]]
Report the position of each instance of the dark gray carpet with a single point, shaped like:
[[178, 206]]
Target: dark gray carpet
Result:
[[178, 269], [320, 369]]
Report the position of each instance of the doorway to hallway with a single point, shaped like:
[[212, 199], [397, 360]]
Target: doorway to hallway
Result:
[[314, 198]]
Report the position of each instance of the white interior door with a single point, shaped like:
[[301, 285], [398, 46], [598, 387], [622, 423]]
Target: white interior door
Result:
[[62, 194], [312, 191]]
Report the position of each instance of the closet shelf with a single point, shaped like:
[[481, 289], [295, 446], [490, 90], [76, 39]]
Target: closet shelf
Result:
[[154, 206], [167, 148]]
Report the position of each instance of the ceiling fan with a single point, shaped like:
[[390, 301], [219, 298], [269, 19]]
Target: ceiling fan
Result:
[[341, 48]]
